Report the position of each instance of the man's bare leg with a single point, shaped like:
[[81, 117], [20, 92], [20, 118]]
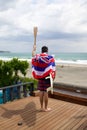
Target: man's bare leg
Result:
[[41, 96], [46, 101]]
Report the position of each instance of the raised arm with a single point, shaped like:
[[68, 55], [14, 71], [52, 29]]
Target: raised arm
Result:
[[34, 51]]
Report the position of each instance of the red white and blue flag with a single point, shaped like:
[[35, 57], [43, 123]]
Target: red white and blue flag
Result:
[[43, 65]]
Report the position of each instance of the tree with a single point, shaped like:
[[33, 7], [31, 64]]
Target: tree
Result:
[[9, 71]]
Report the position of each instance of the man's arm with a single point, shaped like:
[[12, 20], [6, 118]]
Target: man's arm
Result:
[[34, 51]]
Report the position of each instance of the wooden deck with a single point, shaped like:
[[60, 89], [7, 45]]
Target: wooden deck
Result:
[[64, 115]]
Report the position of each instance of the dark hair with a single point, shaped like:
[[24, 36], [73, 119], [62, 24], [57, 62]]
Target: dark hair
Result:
[[44, 49]]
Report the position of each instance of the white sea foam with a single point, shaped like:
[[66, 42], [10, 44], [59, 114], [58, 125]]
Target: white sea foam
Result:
[[58, 61], [71, 62], [8, 59], [5, 58]]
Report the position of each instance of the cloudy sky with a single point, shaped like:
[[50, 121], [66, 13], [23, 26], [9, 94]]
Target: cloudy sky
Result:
[[62, 25]]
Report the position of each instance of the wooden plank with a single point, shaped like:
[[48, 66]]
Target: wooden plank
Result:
[[83, 126], [63, 121], [73, 121], [43, 121], [64, 115], [69, 97], [73, 94]]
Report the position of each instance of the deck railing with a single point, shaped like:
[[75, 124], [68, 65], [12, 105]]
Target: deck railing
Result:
[[18, 91]]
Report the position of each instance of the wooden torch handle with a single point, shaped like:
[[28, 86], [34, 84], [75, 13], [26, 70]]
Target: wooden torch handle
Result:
[[35, 34]]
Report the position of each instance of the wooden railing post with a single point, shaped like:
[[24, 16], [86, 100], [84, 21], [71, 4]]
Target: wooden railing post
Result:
[[31, 89], [24, 90], [19, 92], [12, 94]]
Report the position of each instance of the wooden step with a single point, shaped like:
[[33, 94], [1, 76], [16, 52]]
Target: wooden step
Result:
[[70, 93], [70, 87], [69, 96]]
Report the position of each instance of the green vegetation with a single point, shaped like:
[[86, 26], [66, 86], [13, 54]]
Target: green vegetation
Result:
[[9, 72]]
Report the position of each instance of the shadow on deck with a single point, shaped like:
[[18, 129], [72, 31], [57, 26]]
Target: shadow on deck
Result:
[[64, 115]]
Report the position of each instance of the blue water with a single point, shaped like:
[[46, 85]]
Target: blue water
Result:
[[59, 57], [71, 56], [18, 55], [64, 56], [1, 100], [8, 94]]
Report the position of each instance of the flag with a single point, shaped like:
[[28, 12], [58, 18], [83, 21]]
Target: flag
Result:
[[43, 65]]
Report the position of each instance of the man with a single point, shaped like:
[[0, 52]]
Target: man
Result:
[[42, 66]]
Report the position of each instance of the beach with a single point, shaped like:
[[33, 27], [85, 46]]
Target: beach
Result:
[[75, 75], [69, 74]]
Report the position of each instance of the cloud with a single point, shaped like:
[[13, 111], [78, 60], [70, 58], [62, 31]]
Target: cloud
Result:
[[56, 20], [4, 5]]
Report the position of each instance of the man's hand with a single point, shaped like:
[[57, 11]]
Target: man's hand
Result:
[[34, 50], [34, 47]]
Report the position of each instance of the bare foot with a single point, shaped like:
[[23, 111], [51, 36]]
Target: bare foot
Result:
[[41, 110], [48, 109]]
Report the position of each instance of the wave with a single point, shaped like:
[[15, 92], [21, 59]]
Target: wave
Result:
[[78, 62], [7, 59], [58, 61]]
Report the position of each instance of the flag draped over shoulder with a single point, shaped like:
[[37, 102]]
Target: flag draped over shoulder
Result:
[[43, 65]]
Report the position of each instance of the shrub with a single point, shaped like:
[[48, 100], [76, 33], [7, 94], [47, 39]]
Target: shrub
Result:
[[9, 71], [6, 72], [25, 79]]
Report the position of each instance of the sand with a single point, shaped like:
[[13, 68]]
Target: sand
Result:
[[70, 74]]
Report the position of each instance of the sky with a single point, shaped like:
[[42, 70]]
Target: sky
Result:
[[62, 25]]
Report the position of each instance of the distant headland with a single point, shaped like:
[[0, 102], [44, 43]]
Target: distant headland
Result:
[[4, 51]]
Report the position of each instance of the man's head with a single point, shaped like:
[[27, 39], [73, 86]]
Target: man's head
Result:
[[44, 49]]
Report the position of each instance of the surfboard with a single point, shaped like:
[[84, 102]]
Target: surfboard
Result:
[[51, 85]]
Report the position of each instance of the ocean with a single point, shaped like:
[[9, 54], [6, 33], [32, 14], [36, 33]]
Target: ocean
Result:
[[66, 58]]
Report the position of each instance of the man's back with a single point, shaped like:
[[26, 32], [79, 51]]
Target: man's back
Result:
[[42, 65]]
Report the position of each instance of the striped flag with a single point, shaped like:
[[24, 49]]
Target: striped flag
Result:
[[43, 65]]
